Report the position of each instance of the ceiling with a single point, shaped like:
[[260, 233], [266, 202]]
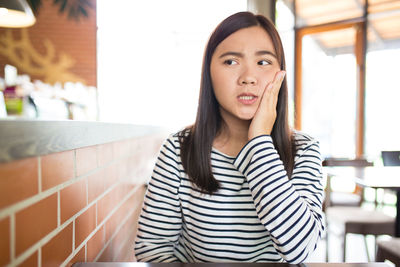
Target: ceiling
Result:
[[383, 22]]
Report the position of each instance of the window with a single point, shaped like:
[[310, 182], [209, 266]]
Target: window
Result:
[[382, 79], [350, 115]]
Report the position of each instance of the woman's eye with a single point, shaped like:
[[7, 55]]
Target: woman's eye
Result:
[[230, 62], [263, 62]]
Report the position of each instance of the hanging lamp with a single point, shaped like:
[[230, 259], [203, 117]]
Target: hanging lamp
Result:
[[16, 14]]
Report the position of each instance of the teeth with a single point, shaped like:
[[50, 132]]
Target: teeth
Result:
[[246, 97]]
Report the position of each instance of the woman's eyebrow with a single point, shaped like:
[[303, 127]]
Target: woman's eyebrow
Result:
[[238, 54], [265, 52], [231, 53]]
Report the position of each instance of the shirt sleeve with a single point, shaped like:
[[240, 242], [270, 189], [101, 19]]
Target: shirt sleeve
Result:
[[160, 221], [290, 209]]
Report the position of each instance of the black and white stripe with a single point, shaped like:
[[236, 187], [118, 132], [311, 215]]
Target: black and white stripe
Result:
[[257, 215]]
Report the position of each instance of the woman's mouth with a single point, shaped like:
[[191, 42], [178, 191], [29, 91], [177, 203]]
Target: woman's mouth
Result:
[[247, 99]]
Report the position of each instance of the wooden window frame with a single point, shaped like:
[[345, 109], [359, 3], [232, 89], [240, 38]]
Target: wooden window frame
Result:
[[360, 24]]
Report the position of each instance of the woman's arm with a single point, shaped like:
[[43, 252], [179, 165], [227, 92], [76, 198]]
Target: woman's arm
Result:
[[161, 219], [291, 210]]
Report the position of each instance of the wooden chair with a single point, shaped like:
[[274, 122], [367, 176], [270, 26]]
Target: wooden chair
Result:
[[353, 218], [389, 250], [340, 198]]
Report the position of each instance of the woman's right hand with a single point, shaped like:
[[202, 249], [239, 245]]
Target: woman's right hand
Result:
[[264, 119]]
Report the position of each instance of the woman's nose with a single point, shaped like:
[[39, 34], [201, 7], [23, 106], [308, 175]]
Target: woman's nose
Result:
[[247, 77]]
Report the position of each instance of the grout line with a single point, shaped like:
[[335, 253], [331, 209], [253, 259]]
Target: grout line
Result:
[[32, 200], [38, 245], [114, 234], [49, 236], [40, 257], [75, 172], [87, 190], [39, 175], [129, 235], [99, 227], [73, 235], [12, 237], [13, 208], [58, 209], [97, 156], [96, 213]]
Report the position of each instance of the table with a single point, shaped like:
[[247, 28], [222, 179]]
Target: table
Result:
[[138, 264], [374, 177]]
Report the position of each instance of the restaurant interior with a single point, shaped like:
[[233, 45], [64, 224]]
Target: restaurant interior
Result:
[[90, 89]]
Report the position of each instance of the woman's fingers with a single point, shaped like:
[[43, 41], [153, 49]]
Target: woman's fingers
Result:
[[277, 82], [272, 91], [265, 116]]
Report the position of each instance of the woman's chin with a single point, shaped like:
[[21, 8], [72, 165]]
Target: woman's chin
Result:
[[246, 117]]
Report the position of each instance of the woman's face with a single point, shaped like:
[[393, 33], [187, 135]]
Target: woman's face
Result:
[[241, 67]]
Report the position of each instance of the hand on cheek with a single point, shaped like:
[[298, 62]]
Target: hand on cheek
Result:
[[265, 116]]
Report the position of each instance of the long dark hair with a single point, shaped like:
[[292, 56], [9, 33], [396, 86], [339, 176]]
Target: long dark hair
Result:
[[196, 140]]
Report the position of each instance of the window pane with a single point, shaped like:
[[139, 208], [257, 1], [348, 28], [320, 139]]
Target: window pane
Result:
[[313, 12], [329, 91], [382, 5], [382, 84]]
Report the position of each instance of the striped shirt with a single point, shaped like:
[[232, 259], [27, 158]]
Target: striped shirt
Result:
[[257, 215]]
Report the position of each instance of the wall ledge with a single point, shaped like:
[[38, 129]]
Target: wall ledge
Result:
[[28, 138]]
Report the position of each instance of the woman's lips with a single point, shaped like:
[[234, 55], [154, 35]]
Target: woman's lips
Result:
[[247, 99]]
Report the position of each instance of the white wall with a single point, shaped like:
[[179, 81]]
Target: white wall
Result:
[[150, 56]]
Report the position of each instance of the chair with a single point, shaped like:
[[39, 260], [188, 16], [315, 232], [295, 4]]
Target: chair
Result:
[[391, 158], [352, 217], [341, 198], [389, 250]]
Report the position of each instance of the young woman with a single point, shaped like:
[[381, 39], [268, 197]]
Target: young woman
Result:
[[238, 185]]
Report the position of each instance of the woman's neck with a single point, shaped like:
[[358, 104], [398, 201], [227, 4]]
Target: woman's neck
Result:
[[232, 135]]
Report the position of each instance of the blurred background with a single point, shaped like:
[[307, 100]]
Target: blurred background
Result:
[[139, 62]]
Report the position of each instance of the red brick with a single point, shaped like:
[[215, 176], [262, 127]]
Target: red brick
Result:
[[108, 253], [84, 225], [133, 221], [57, 168], [125, 253], [72, 200], [18, 181], [95, 244], [134, 202], [79, 257], [105, 153], [120, 238], [125, 238], [134, 164], [57, 250], [35, 222], [106, 204], [96, 184], [114, 221], [122, 149], [5, 241], [32, 261], [122, 169], [86, 160], [110, 176]]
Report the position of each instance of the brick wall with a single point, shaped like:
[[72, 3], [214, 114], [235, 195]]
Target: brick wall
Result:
[[78, 205], [69, 38]]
